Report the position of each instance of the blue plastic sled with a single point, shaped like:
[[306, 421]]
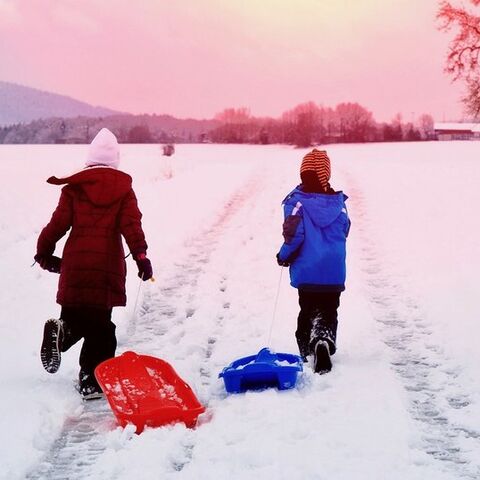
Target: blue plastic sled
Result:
[[264, 370]]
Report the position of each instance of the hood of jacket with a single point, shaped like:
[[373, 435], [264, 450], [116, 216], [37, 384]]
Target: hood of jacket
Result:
[[102, 185], [322, 209]]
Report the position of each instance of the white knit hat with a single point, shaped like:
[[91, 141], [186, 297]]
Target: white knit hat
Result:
[[104, 150]]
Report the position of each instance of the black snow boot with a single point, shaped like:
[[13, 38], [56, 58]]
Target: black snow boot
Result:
[[88, 386], [304, 351], [50, 353], [322, 363]]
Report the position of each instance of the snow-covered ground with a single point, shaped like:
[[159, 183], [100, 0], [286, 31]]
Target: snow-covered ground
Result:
[[403, 399]]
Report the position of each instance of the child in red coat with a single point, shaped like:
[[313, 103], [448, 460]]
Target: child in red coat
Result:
[[98, 206]]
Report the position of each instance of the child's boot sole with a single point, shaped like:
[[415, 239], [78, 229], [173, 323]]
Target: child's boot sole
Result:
[[92, 396], [51, 345], [322, 363]]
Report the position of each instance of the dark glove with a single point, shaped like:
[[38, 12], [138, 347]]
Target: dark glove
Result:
[[282, 263], [145, 271], [51, 263]]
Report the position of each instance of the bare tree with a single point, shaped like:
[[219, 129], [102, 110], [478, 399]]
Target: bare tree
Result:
[[238, 116], [355, 122], [302, 124], [237, 126], [426, 125], [463, 56]]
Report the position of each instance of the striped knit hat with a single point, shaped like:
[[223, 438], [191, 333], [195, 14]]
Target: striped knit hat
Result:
[[318, 162]]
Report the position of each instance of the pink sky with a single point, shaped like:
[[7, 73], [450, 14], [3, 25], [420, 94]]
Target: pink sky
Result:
[[193, 58]]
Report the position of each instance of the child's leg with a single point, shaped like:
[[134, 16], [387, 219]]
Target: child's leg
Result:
[[308, 311], [324, 325], [72, 326], [100, 341]]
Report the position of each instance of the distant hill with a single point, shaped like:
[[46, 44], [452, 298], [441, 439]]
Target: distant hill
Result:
[[19, 104]]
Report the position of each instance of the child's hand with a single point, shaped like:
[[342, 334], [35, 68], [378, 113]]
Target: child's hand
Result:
[[145, 271], [282, 263], [51, 263]]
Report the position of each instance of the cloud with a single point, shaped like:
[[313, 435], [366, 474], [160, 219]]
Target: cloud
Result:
[[9, 14], [47, 14], [72, 17]]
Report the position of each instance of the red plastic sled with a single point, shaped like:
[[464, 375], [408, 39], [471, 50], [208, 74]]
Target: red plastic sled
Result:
[[146, 391]]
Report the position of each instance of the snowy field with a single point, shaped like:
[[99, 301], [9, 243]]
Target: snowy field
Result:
[[403, 398]]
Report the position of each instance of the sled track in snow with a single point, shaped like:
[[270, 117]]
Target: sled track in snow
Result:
[[78, 446], [163, 314], [166, 311], [427, 375]]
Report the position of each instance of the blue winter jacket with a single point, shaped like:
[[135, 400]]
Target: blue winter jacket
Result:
[[315, 230]]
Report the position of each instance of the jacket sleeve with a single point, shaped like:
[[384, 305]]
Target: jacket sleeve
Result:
[[130, 223], [57, 227], [349, 222], [293, 232]]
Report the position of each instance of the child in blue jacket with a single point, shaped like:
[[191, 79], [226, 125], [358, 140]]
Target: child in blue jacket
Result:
[[315, 230]]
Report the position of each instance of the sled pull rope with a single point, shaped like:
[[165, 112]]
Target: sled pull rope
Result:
[[152, 279], [132, 324], [138, 295], [275, 307]]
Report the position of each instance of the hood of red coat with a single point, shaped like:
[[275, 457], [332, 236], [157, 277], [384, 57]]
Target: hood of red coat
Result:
[[102, 185]]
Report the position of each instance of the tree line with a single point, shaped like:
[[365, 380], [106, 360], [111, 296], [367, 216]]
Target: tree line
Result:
[[127, 128], [304, 125], [309, 123]]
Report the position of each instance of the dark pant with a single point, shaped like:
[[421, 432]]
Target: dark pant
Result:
[[317, 320], [94, 325]]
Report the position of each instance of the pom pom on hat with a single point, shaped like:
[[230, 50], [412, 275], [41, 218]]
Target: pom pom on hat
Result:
[[104, 150]]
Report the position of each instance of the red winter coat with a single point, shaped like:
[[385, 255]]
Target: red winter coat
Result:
[[99, 206]]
